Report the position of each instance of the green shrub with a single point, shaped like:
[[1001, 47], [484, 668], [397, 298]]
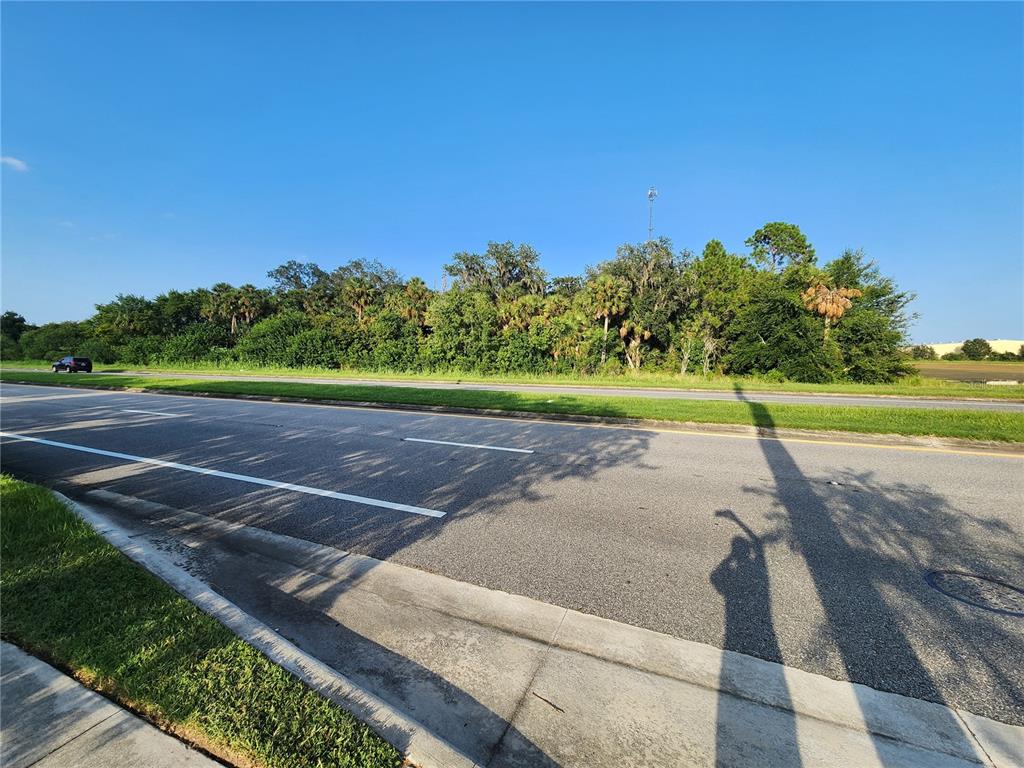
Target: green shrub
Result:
[[393, 343], [141, 350], [195, 343], [520, 352], [220, 355], [314, 348], [776, 333], [775, 377], [9, 348], [267, 342], [97, 350], [465, 332], [53, 340], [870, 348]]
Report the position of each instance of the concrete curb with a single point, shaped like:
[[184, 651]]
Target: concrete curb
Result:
[[900, 720], [419, 745], [740, 430]]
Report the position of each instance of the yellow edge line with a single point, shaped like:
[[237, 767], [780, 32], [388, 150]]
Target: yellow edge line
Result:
[[521, 420]]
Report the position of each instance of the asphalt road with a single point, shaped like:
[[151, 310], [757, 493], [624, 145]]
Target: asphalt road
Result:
[[795, 398], [811, 554]]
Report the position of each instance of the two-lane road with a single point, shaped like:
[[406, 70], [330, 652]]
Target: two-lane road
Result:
[[812, 554]]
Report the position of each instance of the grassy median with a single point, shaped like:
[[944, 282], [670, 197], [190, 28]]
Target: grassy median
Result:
[[915, 386], [70, 597], [968, 424]]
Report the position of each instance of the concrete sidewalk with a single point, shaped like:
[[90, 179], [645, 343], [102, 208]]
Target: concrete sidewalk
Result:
[[505, 680], [49, 720]]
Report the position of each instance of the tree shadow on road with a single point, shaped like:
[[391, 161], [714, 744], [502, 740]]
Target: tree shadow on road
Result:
[[857, 555]]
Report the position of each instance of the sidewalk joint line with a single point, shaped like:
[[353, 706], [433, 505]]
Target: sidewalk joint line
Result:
[[59, 747], [977, 742], [496, 749]]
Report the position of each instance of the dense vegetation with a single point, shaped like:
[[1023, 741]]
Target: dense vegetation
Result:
[[772, 312]]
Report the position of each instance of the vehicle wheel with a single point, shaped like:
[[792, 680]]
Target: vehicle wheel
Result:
[[55, 369]]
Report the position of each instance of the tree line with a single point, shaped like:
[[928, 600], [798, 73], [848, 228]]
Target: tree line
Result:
[[773, 311], [971, 349]]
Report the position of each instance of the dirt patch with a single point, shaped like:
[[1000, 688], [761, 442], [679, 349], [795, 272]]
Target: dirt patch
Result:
[[971, 370]]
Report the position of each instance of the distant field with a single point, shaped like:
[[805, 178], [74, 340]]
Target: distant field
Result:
[[971, 370]]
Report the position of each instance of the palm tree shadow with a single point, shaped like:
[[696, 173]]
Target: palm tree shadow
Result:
[[742, 580], [816, 535]]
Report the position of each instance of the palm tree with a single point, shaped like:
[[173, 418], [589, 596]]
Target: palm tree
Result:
[[830, 303], [357, 294], [633, 334], [221, 303], [251, 302], [611, 297], [555, 305], [414, 300], [517, 313]]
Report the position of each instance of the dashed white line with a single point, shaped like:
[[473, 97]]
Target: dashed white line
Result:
[[155, 413], [466, 445], [232, 476]]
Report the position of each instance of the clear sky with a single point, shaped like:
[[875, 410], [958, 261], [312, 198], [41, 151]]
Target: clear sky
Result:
[[173, 145]]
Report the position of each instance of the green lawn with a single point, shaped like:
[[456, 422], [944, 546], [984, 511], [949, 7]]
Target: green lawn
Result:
[[911, 387], [70, 597], [976, 425]]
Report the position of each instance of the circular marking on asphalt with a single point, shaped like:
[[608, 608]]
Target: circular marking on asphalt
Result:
[[979, 591]]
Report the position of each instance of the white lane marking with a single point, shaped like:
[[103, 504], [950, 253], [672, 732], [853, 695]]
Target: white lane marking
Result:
[[466, 445], [36, 398], [233, 476], [155, 413]]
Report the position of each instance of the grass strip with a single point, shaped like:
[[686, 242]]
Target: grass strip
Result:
[[967, 424], [910, 387], [70, 597]]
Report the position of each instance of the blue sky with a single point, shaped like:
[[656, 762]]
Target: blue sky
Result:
[[176, 145]]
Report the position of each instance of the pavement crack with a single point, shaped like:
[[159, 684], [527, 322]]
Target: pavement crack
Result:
[[549, 646], [548, 701]]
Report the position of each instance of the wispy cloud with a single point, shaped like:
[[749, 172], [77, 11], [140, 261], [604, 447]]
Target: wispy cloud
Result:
[[67, 224], [15, 163]]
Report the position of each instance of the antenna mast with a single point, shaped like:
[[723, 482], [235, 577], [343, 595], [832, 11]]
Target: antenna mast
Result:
[[651, 194]]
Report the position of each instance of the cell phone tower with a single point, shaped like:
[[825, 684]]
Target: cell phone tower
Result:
[[651, 194]]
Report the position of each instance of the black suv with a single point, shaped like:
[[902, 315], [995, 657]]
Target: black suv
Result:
[[73, 365]]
